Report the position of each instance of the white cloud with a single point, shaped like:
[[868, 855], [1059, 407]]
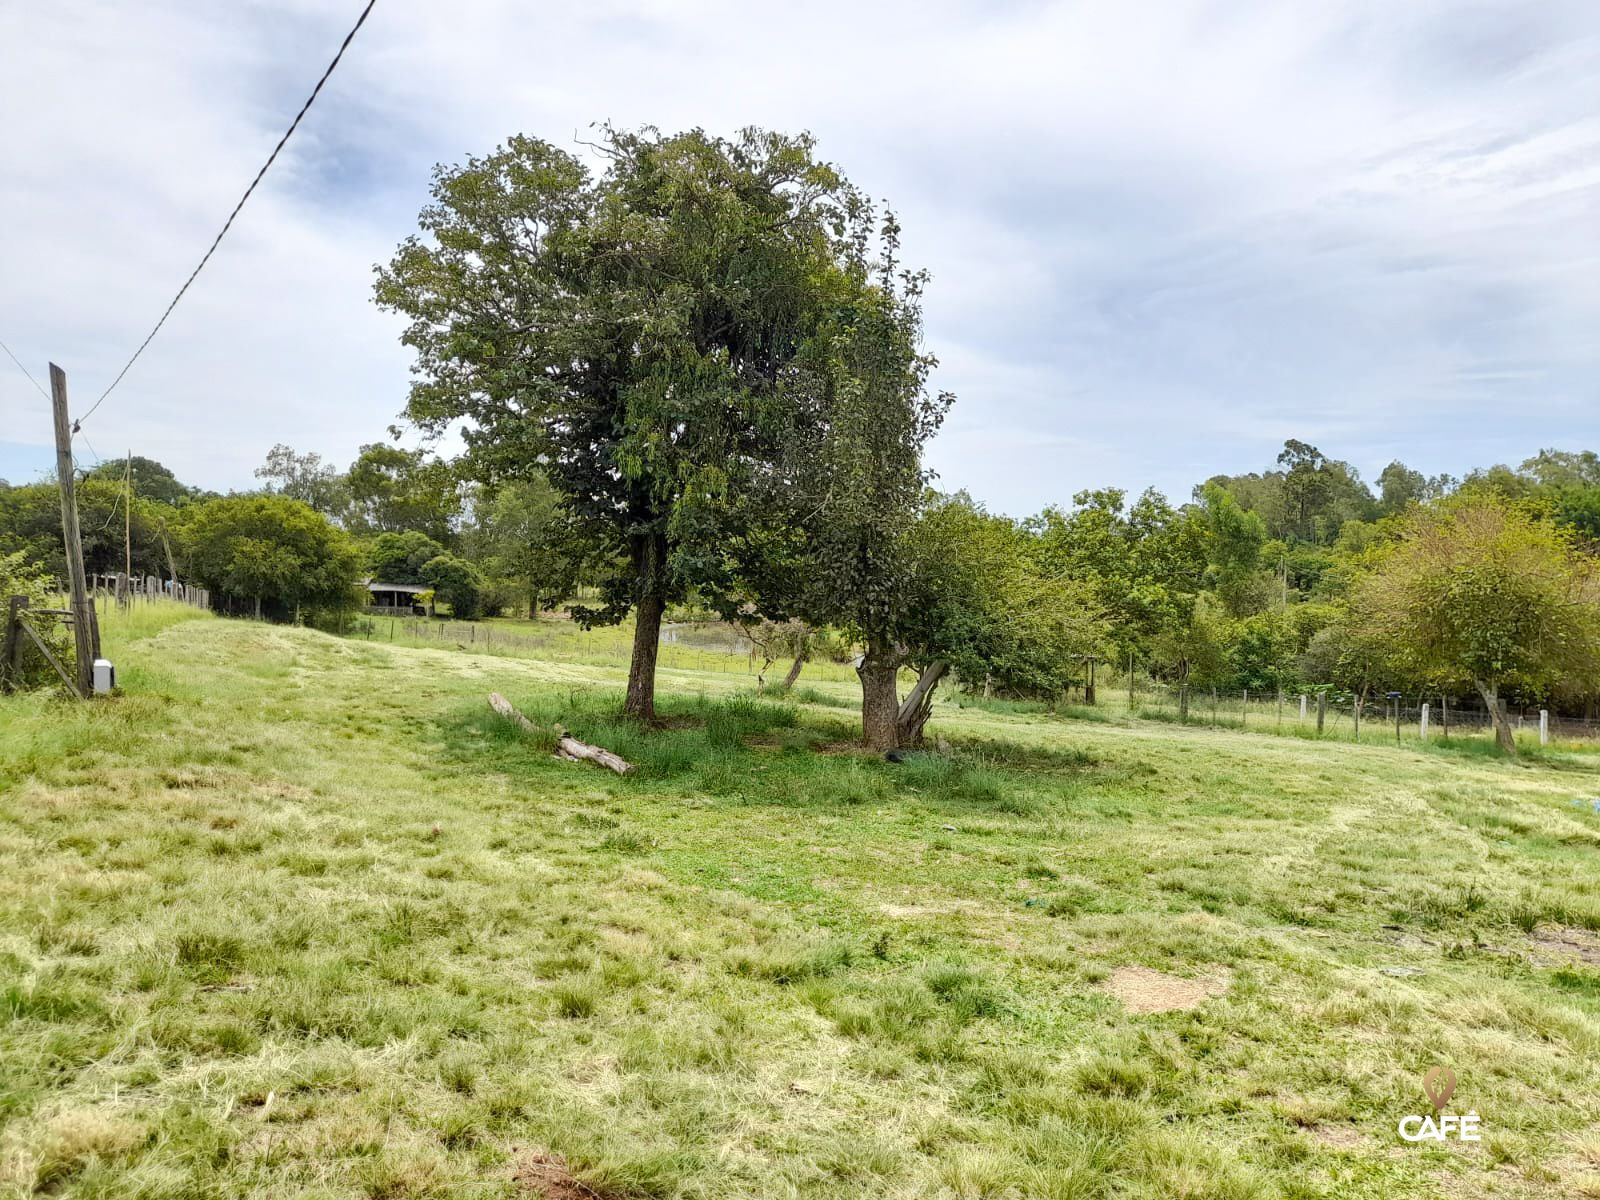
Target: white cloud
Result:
[[1164, 237]]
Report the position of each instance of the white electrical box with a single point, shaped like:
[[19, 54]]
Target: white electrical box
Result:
[[105, 676]]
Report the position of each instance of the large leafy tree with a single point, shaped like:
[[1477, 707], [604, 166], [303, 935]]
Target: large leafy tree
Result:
[[400, 557], [522, 534], [151, 480], [458, 583], [840, 546], [276, 554], [1144, 562], [305, 477], [30, 523], [1488, 592], [1234, 540], [632, 338], [392, 490], [994, 612]]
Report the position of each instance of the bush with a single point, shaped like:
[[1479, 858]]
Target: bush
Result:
[[401, 557], [458, 583], [20, 578], [276, 554]]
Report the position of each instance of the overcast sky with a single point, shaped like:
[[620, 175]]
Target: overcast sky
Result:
[[1164, 236]]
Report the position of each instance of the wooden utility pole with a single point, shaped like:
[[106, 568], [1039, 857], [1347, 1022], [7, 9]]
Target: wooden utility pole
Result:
[[127, 519], [85, 629]]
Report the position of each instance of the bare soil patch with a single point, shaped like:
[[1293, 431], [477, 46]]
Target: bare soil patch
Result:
[[1143, 990], [547, 1175], [1566, 942], [1339, 1137]]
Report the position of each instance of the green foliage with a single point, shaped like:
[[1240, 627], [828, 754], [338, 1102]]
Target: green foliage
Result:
[[992, 611], [1198, 644], [1484, 591], [305, 477], [1265, 647], [457, 582], [30, 523], [522, 537], [400, 557], [644, 340], [272, 550], [18, 577], [1308, 499], [151, 480], [1145, 564], [1233, 551], [394, 490]]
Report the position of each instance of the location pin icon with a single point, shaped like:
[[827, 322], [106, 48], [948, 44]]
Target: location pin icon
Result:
[[1440, 1084]]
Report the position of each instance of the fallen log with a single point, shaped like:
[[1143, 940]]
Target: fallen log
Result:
[[567, 746]]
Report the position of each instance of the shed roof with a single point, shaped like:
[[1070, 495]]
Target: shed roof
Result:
[[411, 589]]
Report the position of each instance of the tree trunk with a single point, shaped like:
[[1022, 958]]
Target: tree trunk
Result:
[[1502, 727], [913, 714], [880, 706], [794, 671], [641, 702]]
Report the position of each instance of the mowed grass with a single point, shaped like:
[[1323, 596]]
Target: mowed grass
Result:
[[297, 916]]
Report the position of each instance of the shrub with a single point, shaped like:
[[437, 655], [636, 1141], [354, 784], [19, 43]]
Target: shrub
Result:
[[20, 578], [457, 582]]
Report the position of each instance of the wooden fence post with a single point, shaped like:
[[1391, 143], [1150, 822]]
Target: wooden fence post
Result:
[[1422, 725], [1544, 727], [11, 650], [1322, 710]]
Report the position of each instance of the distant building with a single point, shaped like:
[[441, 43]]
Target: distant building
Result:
[[397, 599]]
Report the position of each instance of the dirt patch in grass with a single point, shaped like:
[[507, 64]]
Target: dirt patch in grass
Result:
[[1143, 990], [547, 1175], [1337, 1137], [1566, 942]]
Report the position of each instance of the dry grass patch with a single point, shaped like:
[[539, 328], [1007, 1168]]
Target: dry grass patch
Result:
[[1144, 991]]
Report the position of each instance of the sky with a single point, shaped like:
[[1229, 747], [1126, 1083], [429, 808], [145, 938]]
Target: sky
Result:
[[1164, 237]]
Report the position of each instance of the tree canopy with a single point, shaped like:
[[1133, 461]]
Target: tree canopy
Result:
[[635, 338], [278, 555], [1484, 592]]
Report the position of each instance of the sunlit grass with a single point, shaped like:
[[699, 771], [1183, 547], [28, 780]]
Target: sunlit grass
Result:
[[297, 915]]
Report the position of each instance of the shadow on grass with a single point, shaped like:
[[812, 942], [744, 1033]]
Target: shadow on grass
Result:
[[756, 751]]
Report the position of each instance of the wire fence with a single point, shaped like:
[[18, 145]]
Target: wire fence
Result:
[[1338, 715], [692, 646]]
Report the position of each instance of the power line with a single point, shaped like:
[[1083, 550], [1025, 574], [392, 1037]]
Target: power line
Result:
[[24, 370], [228, 224], [97, 459]]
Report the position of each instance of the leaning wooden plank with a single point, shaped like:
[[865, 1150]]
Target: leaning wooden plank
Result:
[[567, 746], [72, 684]]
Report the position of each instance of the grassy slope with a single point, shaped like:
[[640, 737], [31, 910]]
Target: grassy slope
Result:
[[294, 916]]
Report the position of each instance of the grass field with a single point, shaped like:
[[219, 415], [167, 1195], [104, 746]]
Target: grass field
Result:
[[295, 915]]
